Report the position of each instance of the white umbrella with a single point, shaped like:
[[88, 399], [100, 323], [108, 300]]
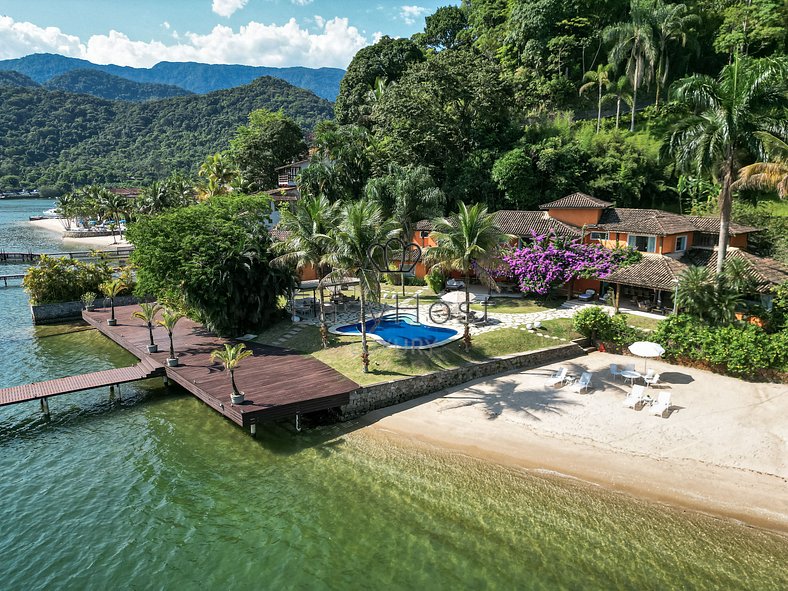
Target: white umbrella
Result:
[[646, 349], [457, 297]]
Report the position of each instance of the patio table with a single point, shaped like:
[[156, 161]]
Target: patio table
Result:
[[631, 375]]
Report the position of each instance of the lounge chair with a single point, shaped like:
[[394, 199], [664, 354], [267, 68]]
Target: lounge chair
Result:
[[559, 377], [614, 371], [662, 404], [635, 397], [652, 380], [586, 297], [628, 367], [584, 383]]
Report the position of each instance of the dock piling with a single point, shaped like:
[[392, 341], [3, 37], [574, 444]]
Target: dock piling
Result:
[[45, 408]]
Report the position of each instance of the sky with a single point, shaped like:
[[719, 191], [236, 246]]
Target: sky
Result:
[[141, 33]]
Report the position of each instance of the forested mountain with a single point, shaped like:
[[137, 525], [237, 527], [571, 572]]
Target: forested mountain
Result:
[[54, 139], [194, 77], [11, 78], [108, 86]]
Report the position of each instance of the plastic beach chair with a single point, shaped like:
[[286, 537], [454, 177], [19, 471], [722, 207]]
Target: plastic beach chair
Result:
[[559, 377], [635, 397], [584, 383], [614, 371], [662, 404]]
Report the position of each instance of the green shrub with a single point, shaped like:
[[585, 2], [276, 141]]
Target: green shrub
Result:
[[435, 280], [592, 322], [55, 280]]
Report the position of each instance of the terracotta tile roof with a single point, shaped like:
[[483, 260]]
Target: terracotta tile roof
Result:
[[298, 164], [284, 194], [654, 270], [643, 221], [766, 272], [521, 223], [711, 225], [576, 201]]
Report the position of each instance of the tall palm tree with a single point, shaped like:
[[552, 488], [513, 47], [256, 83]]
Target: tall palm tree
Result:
[[230, 357], [634, 44], [772, 173], [672, 22], [469, 239], [619, 91], [65, 207], [147, 313], [218, 172], [169, 318], [112, 289], [598, 79], [307, 241], [725, 114], [114, 205], [362, 226]]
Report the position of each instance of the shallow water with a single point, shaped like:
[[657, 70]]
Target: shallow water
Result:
[[155, 490]]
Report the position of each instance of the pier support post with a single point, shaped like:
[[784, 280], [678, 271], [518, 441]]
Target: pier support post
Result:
[[253, 429], [298, 422], [45, 408], [111, 392], [120, 397], [166, 380]]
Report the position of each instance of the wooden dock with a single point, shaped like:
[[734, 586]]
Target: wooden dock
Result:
[[116, 254], [6, 278], [277, 382]]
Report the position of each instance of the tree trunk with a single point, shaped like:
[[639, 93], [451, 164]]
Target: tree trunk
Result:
[[232, 381], [323, 326], [634, 97], [150, 332], [726, 204], [112, 308], [364, 348], [618, 110], [172, 347], [466, 335], [599, 107]]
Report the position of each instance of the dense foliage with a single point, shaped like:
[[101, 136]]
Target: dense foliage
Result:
[[215, 256], [595, 323], [58, 140], [107, 86], [55, 280]]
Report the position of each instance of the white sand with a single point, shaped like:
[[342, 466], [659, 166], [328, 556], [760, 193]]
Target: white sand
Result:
[[55, 225], [723, 449]]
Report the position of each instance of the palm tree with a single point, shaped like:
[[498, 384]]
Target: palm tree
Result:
[[114, 205], [634, 44], [725, 114], [772, 174], [169, 318], [468, 239], [672, 22], [600, 80], [112, 289], [619, 91], [230, 357], [147, 313], [307, 241], [65, 208], [362, 226], [219, 172]]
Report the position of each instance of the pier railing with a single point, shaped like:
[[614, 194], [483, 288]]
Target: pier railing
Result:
[[82, 255]]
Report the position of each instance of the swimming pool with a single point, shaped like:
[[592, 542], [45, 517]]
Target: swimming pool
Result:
[[403, 334]]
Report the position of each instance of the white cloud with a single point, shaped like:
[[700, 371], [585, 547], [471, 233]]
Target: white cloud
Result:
[[301, 2], [227, 7], [333, 44], [166, 25], [410, 14]]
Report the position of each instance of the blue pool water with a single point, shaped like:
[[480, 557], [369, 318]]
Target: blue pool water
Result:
[[403, 333]]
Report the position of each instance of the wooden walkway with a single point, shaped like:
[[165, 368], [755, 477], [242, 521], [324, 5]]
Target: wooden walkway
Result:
[[277, 382], [113, 254], [99, 379]]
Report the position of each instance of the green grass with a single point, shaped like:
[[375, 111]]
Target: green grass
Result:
[[386, 363], [641, 321], [561, 328], [518, 305], [779, 208]]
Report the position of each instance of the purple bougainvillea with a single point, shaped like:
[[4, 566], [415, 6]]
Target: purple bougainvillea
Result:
[[548, 261]]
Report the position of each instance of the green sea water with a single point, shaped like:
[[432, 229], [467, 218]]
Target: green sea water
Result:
[[156, 491]]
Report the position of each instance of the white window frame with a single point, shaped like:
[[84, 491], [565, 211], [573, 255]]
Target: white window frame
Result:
[[652, 240], [600, 236], [677, 249]]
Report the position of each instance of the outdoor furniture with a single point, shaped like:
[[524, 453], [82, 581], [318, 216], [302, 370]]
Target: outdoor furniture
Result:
[[586, 297], [631, 375], [662, 404], [559, 377], [651, 380], [454, 284], [635, 397], [614, 371], [584, 383]]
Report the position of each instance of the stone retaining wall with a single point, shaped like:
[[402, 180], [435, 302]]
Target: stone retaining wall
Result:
[[47, 313], [369, 398], [89, 233]]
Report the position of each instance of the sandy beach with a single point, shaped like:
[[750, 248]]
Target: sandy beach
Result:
[[55, 225], [723, 449]]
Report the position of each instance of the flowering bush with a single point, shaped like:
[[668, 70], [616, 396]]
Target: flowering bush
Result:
[[549, 261]]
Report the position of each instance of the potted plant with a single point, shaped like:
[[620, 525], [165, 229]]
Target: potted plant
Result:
[[89, 300], [230, 357], [147, 313], [111, 289], [168, 320]]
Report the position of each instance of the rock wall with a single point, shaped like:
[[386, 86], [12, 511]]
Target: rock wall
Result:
[[376, 396], [47, 313]]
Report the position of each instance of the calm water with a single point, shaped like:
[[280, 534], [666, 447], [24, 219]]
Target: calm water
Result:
[[156, 491]]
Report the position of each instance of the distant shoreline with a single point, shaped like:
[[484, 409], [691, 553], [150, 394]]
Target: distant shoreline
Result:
[[55, 225]]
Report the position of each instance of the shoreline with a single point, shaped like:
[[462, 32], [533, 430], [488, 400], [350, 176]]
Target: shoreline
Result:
[[751, 495], [54, 225]]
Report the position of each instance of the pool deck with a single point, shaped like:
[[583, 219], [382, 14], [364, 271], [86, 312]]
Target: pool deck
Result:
[[277, 382]]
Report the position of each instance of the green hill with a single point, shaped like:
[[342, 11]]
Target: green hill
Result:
[[53, 139], [107, 86], [11, 78]]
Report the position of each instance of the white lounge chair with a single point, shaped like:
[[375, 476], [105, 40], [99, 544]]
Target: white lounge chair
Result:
[[662, 404], [652, 380], [559, 377], [586, 297], [635, 397], [614, 371], [584, 383]]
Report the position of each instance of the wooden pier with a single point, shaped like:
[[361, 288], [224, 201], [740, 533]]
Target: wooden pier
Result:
[[6, 278], [120, 253]]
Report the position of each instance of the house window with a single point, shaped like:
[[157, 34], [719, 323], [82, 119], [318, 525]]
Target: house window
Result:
[[642, 243], [598, 235], [681, 243]]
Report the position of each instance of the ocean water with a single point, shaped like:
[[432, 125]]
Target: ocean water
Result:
[[153, 490]]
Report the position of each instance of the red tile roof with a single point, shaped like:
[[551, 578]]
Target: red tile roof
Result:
[[577, 200]]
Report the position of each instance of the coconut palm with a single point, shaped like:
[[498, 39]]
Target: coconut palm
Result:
[[725, 114], [598, 79], [672, 23], [635, 46], [230, 357], [469, 239], [147, 313], [619, 91], [307, 242], [219, 172], [362, 226], [113, 205], [772, 173], [112, 289], [169, 318]]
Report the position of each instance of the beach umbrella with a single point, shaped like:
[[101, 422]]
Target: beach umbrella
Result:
[[457, 297], [646, 349]]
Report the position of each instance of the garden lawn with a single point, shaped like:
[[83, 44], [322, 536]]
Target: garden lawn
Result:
[[641, 321], [387, 363], [563, 328], [519, 305]]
